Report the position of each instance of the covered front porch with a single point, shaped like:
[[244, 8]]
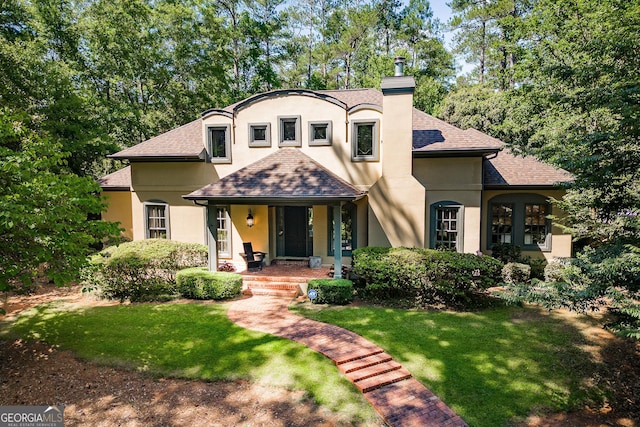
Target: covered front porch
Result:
[[286, 204]]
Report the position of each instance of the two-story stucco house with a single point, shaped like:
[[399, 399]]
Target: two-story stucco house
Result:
[[303, 173]]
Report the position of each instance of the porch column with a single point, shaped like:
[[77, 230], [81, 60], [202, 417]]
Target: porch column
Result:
[[337, 241], [212, 237]]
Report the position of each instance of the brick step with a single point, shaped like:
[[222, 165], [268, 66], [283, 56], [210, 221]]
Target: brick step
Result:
[[281, 279], [372, 371], [365, 362], [270, 285], [272, 292], [379, 381], [360, 353]]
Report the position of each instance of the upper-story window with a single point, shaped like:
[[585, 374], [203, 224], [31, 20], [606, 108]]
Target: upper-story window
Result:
[[259, 135], [365, 140], [156, 220], [320, 133], [289, 131], [219, 144]]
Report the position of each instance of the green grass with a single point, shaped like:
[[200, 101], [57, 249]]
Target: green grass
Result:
[[190, 341], [492, 367]]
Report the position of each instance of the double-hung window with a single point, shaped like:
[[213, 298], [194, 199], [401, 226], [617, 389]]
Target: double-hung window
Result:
[[520, 219], [447, 226], [223, 231], [156, 220], [219, 144], [365, 139]]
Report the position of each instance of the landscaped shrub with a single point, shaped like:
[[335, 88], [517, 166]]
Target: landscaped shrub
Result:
[[199, 283], [142, 270], [515, 272], [555, 270], [423, 274], [332, 291], [506, 252]]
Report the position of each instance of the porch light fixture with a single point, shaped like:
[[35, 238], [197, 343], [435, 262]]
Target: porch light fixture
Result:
[[249, 219]]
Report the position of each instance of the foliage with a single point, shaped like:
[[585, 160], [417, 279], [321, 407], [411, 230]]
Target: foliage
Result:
[[515, 272], [332, 291], [44, 213], [194, 341], [143, 270], [606, 275], [423, 274], [493, 367], [506, 252], [199, 283]]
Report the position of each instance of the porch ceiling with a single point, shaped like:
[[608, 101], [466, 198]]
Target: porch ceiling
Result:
[[287, 176]]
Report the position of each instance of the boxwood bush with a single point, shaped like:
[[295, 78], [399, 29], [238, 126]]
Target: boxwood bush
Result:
[[332, 291], [143, 270], [424, 274], [199, 283]]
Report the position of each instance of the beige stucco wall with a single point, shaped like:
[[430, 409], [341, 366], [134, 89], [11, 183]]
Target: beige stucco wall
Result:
[[560, 242], [119, 210], [456, 180]]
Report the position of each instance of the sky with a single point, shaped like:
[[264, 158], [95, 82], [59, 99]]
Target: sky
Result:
[[443, 12]]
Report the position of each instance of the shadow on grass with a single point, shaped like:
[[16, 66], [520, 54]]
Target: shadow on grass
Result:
[[189, 341], [492, 366]]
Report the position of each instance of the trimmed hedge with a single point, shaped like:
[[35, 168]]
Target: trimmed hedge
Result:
[[143, 270], [199, 283], [424, 274], [332, 291]]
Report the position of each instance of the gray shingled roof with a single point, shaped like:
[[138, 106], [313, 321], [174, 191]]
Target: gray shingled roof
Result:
[[119, 180], [288, 175], [431, 137], [184, 142]]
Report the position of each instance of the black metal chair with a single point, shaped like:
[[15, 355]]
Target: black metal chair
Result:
[[253, 258]]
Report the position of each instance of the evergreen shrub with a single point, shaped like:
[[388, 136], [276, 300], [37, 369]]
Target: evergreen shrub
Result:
[[199, 283], [332, 291]]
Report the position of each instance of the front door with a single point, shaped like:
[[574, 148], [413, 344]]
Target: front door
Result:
[[294, 226]]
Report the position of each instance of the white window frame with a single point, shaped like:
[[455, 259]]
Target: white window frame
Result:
[[433, 244], [167, 224], [320, 142], [297, 142], [222, 214], [227, 144], [375, 145], [267, 135]]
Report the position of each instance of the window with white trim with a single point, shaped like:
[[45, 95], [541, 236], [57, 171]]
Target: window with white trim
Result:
[[347, 229], [156, 220], [365, 138], [223, 232], [259, 135], [219, 144], [289, 131], [320, 133], [521, 220], [447, 226]]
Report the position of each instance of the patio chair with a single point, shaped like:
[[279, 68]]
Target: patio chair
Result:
[[252, 258]]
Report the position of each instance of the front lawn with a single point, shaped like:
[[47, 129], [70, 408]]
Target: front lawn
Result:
[[492, 367], [190, 341]]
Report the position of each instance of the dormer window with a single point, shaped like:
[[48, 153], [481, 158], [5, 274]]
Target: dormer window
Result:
[[259, 135], [219, 144], [365, 140], [289, 130], [320, 133]]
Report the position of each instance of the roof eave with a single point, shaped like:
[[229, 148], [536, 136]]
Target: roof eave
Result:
[[275, 200], [557, 186], [472, 152], [160, 158]]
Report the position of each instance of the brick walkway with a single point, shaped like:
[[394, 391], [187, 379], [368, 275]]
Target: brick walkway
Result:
[[399, 398]]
